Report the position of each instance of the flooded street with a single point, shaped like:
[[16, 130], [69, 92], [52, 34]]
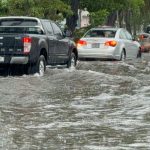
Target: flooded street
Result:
[[100, 105]]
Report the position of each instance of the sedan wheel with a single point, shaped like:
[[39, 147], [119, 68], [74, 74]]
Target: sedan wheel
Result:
[[123, 56], [139, 55]]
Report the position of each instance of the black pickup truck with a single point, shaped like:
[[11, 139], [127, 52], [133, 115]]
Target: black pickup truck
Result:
[[34, 43]]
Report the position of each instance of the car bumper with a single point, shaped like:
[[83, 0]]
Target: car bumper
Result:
[[95, 56], [98, 53], [14, 59]]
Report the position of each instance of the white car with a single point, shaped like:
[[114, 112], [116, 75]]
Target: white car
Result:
[[108, 42]]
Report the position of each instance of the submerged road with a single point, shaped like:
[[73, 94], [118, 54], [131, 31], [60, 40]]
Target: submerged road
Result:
[[100, 105]]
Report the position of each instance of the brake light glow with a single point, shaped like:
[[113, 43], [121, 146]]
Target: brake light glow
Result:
[[26, 40], [27, 44], [111, 43], [81, 43], [141, 37]]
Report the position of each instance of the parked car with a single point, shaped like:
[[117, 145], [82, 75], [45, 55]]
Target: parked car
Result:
[[144, 40], [34, 43], [147, 29], [108, 42]]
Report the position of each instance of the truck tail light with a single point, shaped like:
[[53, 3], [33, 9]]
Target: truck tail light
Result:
[[81, 43], [111, 43], [27, 44]]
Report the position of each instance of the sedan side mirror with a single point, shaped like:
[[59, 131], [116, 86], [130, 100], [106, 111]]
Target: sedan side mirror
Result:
[[133, 38]]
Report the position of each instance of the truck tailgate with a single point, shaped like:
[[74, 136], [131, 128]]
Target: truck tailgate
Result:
[[11, 45]]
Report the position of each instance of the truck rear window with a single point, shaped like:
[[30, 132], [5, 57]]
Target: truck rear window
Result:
[[24, 30], [18, 22]]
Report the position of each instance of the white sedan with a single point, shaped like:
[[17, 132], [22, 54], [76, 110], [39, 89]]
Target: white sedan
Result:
[[108, 42]]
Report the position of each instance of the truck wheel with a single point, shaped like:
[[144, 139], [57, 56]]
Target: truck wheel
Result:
[[39, 67], [72, 61]]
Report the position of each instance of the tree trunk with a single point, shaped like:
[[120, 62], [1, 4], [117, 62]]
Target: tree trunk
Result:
[[120, 18], [111, 20], [72, 20]]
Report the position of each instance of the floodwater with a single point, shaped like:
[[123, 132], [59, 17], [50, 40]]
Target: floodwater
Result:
[[100, 105]]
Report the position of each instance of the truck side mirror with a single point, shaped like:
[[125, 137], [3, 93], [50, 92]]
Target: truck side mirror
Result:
[[40, 31], [67, 33]]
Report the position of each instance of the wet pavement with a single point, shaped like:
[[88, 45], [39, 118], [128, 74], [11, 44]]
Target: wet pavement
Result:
[[100, 105]]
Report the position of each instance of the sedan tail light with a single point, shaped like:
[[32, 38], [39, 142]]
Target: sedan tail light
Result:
[[141, 37], [27, 44], [81, 43], [111, 43]]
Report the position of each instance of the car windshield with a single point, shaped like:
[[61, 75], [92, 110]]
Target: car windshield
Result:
[[101, 33]]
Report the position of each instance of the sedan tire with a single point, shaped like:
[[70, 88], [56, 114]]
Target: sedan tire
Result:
[[123, 55], [139, 55]]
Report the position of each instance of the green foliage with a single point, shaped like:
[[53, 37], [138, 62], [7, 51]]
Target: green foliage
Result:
[[134, 12], [99, 10], [80, 32], [3, 7], [99, 17], [53, 9]]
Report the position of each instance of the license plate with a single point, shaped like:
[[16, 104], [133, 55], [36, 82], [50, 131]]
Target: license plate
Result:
[[1, 59], [88, 46], [95, 45]]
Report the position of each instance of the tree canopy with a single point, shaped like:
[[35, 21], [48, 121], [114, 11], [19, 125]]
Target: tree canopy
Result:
[[44, 9], [125, 13]]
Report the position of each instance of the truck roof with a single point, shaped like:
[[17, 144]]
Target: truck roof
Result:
[[21, 17]]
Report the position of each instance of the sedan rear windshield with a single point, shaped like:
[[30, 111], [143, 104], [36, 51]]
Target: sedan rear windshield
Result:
[[101, 33], [18, 22]]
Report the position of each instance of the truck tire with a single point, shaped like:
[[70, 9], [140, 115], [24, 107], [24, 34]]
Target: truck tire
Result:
[[72, 61], [39, 67]]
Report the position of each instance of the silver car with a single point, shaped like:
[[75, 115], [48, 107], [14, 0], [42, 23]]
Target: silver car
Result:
[[108, 42]]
